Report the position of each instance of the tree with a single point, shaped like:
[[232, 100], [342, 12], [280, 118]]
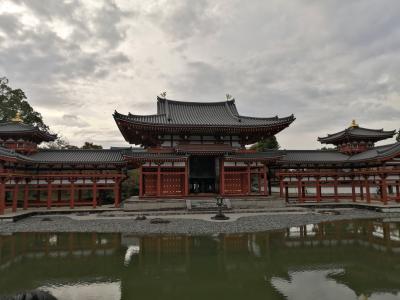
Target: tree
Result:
[[88, 145], [398, 136], [60, 143], [13, 101], [268, 143]]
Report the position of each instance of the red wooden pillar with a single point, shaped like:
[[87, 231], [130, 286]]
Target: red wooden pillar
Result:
[[186, 178], [361, 189], [265, 180], [299, 189], [94, 193], [353, 189], [72, 193], [2, 195], [397, 191], [281, 182], [116, 192], [335, 189], [141, 181], [384, 196], [367, 191], [26, 194], [158, 180], [286, 193], [248, 179], [49, 193], [318, 188], [15, 196], [222, 176]]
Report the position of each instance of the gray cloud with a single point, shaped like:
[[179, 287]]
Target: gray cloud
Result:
[[325, 61], [37, 55]]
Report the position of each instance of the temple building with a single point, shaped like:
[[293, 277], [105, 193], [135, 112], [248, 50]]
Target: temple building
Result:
[[196, 149]]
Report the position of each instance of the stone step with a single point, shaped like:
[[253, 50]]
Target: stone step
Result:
[[206, 205]]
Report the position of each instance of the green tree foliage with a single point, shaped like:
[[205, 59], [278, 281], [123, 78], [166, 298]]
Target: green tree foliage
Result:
[[60, 143], [398, 136], [88, 145], [265, 144], [13, 101]]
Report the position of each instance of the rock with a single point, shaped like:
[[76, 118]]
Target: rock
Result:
[[46, 219], [159, 221], [140, 218]]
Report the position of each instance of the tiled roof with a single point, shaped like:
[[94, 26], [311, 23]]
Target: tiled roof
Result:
[[4, 152], [265, 155], [15, 129], [7, 153], [333, 156], [141, 154], [224, 113], [204, 148], [310, 156], [358, 134], [77, 156]]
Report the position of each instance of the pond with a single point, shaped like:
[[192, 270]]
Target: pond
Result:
[[341, 260]]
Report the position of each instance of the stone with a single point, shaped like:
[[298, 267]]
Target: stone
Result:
[[159, 221]]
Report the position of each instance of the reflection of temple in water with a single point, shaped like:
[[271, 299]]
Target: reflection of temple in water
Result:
[[230, 266]]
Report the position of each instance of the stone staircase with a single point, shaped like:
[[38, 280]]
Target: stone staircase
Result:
[[204, 205]]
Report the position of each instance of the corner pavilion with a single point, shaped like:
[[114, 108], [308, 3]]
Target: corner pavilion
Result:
[[197, 149]]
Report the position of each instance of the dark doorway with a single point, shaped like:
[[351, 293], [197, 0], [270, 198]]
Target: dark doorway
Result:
[[202, 176]]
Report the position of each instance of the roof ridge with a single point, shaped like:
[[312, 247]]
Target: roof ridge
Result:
[[150, 115], [181, 102], [390, 147], [227, 106], [276, 117], [371, 129], [78, 150]]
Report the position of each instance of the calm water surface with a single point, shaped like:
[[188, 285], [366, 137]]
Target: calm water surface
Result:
[[344, 260]]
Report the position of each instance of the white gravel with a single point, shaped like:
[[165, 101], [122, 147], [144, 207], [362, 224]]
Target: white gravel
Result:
[[182, 224]]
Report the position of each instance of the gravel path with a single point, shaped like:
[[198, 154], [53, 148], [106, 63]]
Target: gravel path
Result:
[[186, 225]]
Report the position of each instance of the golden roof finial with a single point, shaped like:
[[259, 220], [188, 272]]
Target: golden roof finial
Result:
[[17, 118], [353, 124]]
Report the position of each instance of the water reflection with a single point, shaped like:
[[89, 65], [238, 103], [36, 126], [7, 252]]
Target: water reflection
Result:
[[344, 260]]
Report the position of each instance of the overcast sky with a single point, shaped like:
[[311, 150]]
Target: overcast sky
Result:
[[327, 62]]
